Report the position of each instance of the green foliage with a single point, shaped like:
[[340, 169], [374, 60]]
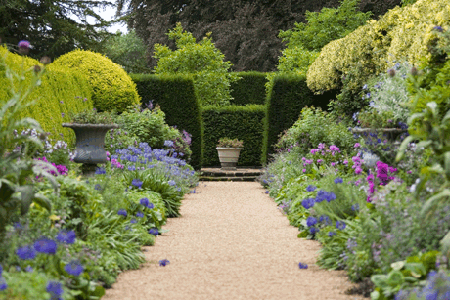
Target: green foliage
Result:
[[242, 122], [313, 127], [176, 96], [285, 100], [203, 60], [127, 50], [305, 40], [249, 89], [402, 33], [60, 91], [112, 88], [91, 116], [229, 143]]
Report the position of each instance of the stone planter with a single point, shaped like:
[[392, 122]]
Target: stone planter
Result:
[[228, 157], [90, 144], [390, 134]]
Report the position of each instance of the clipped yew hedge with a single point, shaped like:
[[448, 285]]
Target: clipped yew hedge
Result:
[[62, 91], [176, 96], [243, 122], [286, 98], [249, 89]]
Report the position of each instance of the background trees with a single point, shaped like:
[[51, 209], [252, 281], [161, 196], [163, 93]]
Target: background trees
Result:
[[245, 31]]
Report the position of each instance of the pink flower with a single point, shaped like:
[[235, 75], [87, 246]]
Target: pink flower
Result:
[[358, 170], [321, 146], [319, 161], [304, 170], [345, 162], [313, 151], [333, 164], [357, 145], [303, 158], [409, 172]]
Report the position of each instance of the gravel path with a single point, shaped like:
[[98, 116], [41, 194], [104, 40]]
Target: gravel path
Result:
[[230, 243]]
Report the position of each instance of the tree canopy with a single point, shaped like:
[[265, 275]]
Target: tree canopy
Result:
[[53, 27], [245, 31]]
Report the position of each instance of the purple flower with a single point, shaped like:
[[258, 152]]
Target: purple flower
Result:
[[1, 270], [133, 221], [358, 170], [98, 187], [311, 188], [438, 28], [319, 161], [303, 170], [29, 269], [137, 183], [55, 289], [331, 233], [144, 202], [168, 144], [122, 212], [324, 219], [151, 205], [67, 237], [74, 268], [100, 171], [24, 44], [357, 145], [153, 231], [313, 230], [3, 284], [355, 207], [63, 114], [302, 266], [338, 180], [311, 221], [163, 262], [139, 214], [45, 245], [340, 225], [26, 252], [172, 183], [308, 203]]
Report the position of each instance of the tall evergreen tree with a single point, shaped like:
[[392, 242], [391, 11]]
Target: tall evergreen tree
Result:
[[53, 27], [246, 31]]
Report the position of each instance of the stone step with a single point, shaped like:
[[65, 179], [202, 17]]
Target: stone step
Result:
[[247, 178]]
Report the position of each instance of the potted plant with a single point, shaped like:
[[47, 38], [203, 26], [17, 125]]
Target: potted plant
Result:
[[229, 151], [90, 130]]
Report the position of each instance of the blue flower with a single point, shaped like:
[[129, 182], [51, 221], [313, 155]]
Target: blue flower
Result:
[[137, 183], [168, 144], [330, 196], [131, 168], [163, 262], [438, 28], [338, 180], [355, 207], [67, 237], [302, 266], [153, 231], [340, 225], [74, 268], [26, 252], [151, 205], [55, 288], [139, 214], [133, 221], [3, 284], [311, 221], [172, 183], [308, 203], [311, 188], [144, 202], [29, 269], [122, 212], [324, 219], [100, 171], [331, 233], [98, 187], [17, 225], [313, 230], [1, 270], [45, 245]]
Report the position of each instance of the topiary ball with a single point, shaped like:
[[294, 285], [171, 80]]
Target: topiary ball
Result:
[[111, 85]]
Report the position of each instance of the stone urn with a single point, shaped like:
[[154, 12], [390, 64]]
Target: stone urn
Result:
[[228, 157], [90, 144]]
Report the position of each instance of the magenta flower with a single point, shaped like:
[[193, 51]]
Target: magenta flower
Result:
[[345, 162], [357, 145], [319, 161], [358, 170], [304, 170], [333, 164]]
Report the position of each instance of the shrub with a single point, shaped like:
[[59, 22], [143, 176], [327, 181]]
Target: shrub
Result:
[[242, 122], [60, 91], [203, 60], [112, 87], [249, 89], [402, 33], [288, 95], [176, 96]]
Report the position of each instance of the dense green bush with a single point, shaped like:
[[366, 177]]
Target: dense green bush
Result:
[[61, 91], [305, 40], [286, 98], [242, 122], [176, 96], [111, 85], [249, 89], [203, 60]]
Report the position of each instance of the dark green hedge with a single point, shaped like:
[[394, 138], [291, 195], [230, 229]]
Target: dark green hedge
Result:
[[243, 122], [176, 96], [250, 89], [288, 95]]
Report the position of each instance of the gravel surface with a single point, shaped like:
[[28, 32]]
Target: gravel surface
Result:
[[230, 243]]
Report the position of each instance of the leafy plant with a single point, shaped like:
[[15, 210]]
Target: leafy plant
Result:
[[229, 143], [93, 117]]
